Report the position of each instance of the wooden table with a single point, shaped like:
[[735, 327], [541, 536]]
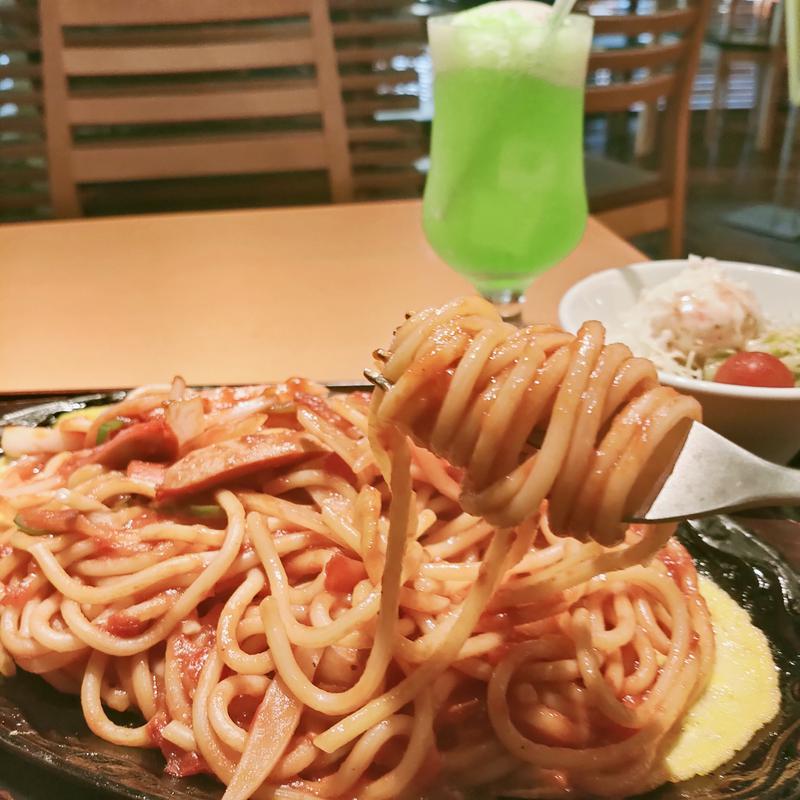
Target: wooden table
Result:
[[230, 297]]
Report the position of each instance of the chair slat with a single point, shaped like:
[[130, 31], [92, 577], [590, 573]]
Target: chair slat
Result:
[[23, 173], [21, 149], [380, 29], [12, 43], [88, 61], [22, 123], [620, 97], [674, 20], [371, 54], [373, 80], [398, 28], [164, 12], [13, 201], [391, 179], [183, 157], [21, 183], [387, 156], [369, 105], [175, 36], [651, 57], [183, 107], [21, 96], [168, 86], [362, 6], [17, 14], [380, 132], [15, 70]]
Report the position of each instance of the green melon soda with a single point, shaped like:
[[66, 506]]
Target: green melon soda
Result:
[[505, 197]]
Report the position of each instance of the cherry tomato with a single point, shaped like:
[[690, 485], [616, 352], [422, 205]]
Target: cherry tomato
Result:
[[755, 369]]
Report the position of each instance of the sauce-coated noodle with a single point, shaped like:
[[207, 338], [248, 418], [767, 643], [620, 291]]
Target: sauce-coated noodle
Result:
[[303, 618]]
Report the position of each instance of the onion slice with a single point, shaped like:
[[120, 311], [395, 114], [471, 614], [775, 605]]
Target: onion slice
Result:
[[19, 440]]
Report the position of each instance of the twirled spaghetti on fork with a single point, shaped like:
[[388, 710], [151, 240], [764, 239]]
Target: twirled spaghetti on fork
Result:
[[299, 599]]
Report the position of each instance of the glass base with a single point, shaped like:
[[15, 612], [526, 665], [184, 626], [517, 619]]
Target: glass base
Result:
[[509, 304]]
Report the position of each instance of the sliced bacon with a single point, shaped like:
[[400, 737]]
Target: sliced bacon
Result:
[[51, 521], [201, 469], [335, 464], [318, 405], [145, 441], [147, 472]]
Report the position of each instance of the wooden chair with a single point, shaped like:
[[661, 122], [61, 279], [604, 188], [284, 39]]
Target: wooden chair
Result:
[[380, 45], [649, 60], [137, 69], [23, 171], [749, 36]]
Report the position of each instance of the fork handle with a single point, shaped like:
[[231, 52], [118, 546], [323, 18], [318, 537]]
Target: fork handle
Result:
[[771, 485]]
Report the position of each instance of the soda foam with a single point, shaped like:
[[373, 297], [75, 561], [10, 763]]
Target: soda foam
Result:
[[513, 35]]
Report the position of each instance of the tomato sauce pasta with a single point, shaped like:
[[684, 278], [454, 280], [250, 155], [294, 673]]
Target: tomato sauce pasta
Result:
[[426, 593]]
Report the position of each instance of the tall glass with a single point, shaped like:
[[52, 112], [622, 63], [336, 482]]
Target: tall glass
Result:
[[505, 198]]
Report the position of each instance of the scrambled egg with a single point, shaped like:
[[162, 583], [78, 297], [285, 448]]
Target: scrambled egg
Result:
[[741, 696]]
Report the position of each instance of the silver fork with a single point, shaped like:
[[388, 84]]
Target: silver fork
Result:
[[708, 475], [712, 475]]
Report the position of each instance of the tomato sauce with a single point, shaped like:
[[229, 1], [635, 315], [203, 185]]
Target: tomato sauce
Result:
[[180, 763], [192, 654], [242, 709], [18, 592], [680, 566], [343, 573], [125, 625]]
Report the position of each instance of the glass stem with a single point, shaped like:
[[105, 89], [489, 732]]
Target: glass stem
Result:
[[508, 302]]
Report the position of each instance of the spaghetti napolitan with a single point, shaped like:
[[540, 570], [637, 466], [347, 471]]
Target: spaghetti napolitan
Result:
[[305, 614]]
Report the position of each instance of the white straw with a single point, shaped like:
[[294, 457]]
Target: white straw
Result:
[[561, 9]]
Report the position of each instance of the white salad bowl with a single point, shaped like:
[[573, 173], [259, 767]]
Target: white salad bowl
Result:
[[765, 421]]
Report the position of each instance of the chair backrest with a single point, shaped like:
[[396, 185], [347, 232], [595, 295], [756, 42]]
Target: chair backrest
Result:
[[381, 46], [648, 58], [23, 171], [153, 72]]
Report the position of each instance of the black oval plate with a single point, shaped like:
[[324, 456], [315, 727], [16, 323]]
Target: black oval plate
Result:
[[45, 727]]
